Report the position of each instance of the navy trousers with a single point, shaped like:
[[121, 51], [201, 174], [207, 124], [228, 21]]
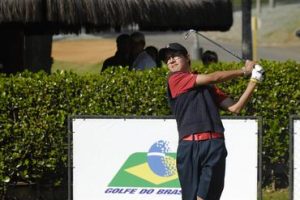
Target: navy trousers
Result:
[[201, 168]]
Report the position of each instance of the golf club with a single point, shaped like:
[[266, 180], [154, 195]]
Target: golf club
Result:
[[187, 34]]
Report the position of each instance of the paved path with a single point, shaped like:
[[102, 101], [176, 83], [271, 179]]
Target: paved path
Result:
[[278, 53], [277, 26]]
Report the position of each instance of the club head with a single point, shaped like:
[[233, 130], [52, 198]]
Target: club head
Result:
[[188, 33]]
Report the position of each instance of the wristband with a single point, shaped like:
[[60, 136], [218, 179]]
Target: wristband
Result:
[[254, 80]]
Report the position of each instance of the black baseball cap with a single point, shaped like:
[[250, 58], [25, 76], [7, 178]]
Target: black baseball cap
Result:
[[176, 47]]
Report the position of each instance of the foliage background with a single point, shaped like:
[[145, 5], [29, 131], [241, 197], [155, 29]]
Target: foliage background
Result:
[[35, 108]]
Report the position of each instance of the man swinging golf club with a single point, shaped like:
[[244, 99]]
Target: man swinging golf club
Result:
[[195, 102]]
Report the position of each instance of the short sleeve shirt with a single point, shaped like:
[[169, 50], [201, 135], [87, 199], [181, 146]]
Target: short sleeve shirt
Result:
[[143, 61], [181, 82]]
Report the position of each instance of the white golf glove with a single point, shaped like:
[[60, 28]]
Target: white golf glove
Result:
[[257, 74]]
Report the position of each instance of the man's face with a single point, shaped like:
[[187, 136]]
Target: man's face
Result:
[[176, 61], [137, 47], [124, 46]]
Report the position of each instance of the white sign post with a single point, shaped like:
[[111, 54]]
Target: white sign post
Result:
[[134, 159], [295, 154]]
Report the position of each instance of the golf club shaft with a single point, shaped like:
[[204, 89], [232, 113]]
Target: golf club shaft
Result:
[[233, 54]]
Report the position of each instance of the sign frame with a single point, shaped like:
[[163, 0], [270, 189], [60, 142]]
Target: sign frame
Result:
[[74, 117], [292, 118]]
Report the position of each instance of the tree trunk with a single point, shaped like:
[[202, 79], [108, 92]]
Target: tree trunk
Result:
[[11, 50], [272, 3], [19, 51], [37, 50], [246, 30]]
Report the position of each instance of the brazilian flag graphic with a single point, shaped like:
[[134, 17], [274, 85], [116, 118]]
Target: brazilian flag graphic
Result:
[[157, 168]]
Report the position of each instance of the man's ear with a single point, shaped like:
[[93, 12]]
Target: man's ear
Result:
[[189, 58]]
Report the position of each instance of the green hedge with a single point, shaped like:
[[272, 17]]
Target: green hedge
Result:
[[35, 106]]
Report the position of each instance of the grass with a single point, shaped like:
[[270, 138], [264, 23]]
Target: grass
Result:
[[87, 68], [77, 68], [282, 194]]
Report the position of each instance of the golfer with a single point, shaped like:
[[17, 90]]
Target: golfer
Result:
[[195, 102]]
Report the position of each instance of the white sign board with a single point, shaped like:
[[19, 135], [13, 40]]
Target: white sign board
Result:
[[296, 144], [111, 159]]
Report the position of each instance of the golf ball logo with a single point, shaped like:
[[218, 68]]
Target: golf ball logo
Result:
[[158, 160]]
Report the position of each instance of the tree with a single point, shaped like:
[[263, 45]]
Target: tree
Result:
[[246, 30]]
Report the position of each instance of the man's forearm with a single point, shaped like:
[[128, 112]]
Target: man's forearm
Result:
[[218, 76], [240, 104]]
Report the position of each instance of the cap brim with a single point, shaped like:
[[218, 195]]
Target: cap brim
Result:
[[162, 52]]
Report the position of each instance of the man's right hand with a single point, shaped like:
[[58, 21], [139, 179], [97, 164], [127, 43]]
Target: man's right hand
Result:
[[247, 69], [257, 73]]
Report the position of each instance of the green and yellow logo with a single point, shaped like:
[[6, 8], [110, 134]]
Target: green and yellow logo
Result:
[[155, 168]]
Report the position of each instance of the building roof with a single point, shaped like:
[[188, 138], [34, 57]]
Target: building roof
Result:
[[96, 15]]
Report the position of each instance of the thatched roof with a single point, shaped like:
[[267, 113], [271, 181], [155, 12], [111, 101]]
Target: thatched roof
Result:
[[72, 15]]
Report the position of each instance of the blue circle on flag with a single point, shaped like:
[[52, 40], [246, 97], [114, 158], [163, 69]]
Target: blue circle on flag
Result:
[[158, 160]]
